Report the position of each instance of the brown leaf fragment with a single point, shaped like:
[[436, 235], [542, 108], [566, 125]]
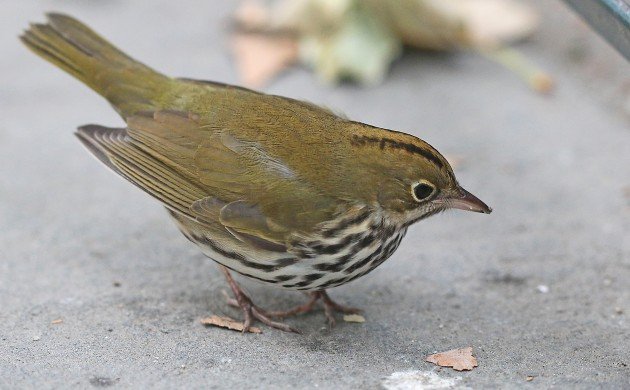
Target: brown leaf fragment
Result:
[[57, 321], [228, 323], [353, 318], [260, 57], [460, 359]]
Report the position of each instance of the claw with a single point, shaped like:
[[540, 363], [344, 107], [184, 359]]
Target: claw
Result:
[[328, 311]]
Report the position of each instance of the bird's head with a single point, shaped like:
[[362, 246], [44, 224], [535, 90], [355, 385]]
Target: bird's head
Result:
[[413, 180]]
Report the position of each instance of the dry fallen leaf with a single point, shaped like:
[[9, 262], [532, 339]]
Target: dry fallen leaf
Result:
[[359, 39], [261, 57], [228, 323], [460, 359], [360, 48], [353, 318]]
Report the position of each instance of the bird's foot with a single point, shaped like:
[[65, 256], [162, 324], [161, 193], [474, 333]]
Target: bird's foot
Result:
[[251, 312], [330, 307]]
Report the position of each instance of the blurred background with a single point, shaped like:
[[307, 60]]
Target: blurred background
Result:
[[98, 288]]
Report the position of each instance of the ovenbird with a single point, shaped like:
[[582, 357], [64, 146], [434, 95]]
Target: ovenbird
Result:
[[276, 189]]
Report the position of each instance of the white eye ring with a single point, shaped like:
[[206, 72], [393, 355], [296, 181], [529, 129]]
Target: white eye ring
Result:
[[423, 190]]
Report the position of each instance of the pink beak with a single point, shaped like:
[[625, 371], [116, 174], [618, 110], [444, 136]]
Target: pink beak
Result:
[[469, 202]]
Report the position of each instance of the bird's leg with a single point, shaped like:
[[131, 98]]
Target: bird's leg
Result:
[[250, 310], [330, 307], [301, 309]]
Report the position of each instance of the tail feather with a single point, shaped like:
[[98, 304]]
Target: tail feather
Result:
[[88, 41], [47, 43], [67, 43]]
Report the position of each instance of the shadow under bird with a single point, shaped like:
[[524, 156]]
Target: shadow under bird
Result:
[[276, 189]]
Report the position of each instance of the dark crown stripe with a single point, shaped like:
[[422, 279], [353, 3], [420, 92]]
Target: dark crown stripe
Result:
[[363, 140]]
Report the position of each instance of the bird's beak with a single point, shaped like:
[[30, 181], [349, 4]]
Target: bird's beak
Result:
[[467, 201]]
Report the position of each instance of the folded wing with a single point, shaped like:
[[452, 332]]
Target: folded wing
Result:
[[211, 176]]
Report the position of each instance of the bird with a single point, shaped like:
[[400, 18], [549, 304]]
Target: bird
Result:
[[276, 189]]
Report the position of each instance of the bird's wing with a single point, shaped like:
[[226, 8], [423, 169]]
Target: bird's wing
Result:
[[118, 151], [208, 174]]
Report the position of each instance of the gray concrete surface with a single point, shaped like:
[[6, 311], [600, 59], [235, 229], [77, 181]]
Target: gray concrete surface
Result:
[[81, 245]]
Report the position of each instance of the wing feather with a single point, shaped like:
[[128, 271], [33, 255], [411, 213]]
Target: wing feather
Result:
[[209, 174], [114, 147]]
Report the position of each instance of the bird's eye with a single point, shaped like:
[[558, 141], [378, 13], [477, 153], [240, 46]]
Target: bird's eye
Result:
[[423, 191]]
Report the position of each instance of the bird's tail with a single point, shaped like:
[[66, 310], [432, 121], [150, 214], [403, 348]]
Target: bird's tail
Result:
[[72, 46]]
